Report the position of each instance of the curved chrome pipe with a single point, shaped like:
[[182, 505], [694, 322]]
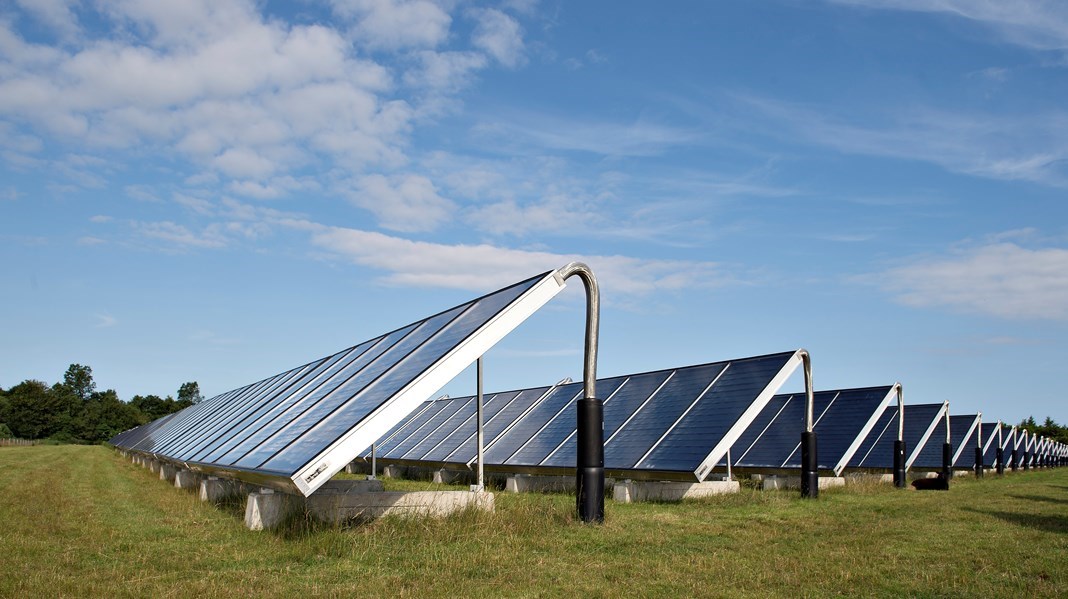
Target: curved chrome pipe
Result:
[[593, 318], [806, 361], [900, 412], [589, 454]]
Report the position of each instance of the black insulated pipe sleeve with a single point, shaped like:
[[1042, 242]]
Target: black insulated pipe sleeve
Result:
[[810, 480], [979, 462], [899, 464], [947, 464], [1000, 461], [589, 466]]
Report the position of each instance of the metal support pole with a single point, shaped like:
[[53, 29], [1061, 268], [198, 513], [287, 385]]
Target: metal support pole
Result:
[[810, 480], [899, 444], [374, 465], [481, 481], [947, 455], [979, 447], [1000, 457], [589, 459], [1026, 458]]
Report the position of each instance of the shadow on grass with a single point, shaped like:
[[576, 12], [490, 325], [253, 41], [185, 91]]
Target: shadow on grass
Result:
[[1057, 523], [1041, 498]]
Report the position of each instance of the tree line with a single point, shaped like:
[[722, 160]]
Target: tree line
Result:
[[73, 411], [1048, 429]]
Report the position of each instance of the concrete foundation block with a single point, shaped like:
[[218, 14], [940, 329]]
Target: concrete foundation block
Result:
[[448, 477], [794, 482], [342, 507], [186, 479], [216, 489], [358, 468], [393, 472], [349, 486], [630, 491], [266, 510], [540, 484], [167, 472], [154, 465]]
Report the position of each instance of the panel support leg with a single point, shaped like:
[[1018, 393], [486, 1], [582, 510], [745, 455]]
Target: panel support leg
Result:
[[899, 465], [947, 464], [810, 480]]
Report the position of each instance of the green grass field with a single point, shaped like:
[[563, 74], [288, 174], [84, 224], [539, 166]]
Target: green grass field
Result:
[[83, 522]]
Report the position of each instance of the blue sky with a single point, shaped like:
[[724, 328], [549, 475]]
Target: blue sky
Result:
[[218, 191]]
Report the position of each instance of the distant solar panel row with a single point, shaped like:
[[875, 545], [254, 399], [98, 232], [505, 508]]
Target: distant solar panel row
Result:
[[876, 451], [961, 430], [297, 428], [681, 420], [841, 418]]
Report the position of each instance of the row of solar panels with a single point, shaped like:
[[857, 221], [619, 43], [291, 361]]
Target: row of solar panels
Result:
[[533, 430], [296, 429]]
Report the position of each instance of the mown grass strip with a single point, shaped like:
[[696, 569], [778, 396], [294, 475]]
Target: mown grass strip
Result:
[[81, 521]]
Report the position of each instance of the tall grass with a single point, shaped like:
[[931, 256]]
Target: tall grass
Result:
[[81, 521]]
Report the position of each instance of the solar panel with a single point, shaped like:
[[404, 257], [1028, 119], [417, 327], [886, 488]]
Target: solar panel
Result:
[[990, 442], [962, 430], [842, 418], [877, 449], [675, 420], [296, 429]]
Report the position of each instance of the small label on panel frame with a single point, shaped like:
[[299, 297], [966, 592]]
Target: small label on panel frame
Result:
[[322, 468]]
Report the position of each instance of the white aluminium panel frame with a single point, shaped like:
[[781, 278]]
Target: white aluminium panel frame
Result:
[[891, 397], [967, 435], [333, 459], [991, 437], [943, 413], [733, 433]]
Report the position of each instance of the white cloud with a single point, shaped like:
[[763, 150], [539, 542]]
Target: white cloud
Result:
[[1030, 148], [91, 241], [999, 279], [142, 193], [445, 71], [197, 205], [402, 202], [100, 219], [500, 36], [1040, 24], [395, 24], [177, 237], [555, 210], [479, 267], [105, 321], [586, 135], [227, 88], [9, 194], [55, 14]]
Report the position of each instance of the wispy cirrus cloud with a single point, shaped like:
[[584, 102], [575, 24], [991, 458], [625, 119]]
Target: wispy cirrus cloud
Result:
[[409, 263], [1039, 24], [1009, 147], [535, 133], [999, 278]]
